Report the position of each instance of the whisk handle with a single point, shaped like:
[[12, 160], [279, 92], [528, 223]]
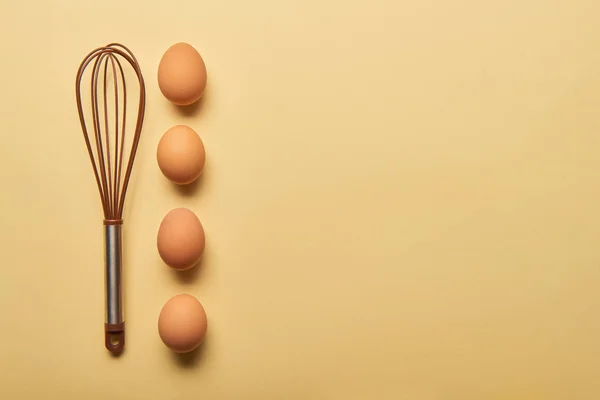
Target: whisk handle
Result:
[[114, 328]]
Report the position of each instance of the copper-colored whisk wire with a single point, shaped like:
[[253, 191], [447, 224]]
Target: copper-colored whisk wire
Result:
[[108, 168]]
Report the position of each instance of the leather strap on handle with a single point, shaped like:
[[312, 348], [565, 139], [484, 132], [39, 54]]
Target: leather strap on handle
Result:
[[114, 337]]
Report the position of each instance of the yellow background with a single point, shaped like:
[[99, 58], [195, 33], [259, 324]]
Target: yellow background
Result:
[[401, 201]]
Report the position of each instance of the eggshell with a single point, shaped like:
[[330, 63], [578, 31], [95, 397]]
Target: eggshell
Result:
[[182, 74], [181, 239], [181, 155], [182, 323]]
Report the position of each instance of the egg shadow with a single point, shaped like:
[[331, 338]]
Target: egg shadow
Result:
[[190, 276], [191, 359], [192, 110], [190, 189]]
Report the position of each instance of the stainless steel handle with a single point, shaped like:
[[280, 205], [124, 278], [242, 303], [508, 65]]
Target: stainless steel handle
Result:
[[114, 327]]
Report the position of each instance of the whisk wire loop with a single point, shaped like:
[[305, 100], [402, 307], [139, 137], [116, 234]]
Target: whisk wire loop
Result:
[[106, 149]]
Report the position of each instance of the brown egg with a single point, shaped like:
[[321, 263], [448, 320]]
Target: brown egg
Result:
[[182, 74], [182, 323], [181, 155], [181, 239]]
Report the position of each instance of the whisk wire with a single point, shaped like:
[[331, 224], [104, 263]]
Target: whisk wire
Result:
[[106, 135], [98, 130], [136, 140], [112, 178], [120, 154]]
